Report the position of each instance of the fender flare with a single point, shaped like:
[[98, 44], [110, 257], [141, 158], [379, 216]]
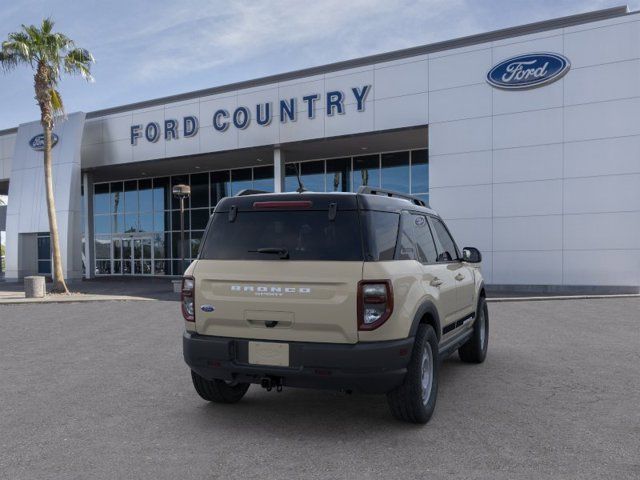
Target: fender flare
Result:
[[427, 307]]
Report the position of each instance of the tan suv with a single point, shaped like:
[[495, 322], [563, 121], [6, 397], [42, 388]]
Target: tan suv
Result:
[[358, 292]]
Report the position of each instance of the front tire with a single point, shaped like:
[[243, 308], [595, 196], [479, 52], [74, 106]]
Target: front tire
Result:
[[475, 350], [415, 400], [218, 391]]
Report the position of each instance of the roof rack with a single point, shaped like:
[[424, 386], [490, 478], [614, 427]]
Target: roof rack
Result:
[[390, 193], [249, 191]]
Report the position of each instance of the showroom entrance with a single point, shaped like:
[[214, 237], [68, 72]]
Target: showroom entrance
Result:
[[132, 255]]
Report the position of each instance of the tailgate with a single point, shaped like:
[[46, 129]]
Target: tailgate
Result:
[[311, 301]]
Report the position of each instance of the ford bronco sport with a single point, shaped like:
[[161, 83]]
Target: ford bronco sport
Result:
[[358, 292]]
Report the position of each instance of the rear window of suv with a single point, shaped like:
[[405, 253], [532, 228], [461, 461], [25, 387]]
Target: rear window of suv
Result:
[[275, 235]]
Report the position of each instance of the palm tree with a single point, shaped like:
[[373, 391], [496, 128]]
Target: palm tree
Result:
[[49, 54]]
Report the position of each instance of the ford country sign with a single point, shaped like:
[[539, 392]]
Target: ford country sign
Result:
[[37, 142], [528, 71]]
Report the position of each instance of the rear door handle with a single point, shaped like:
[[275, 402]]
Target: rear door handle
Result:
[[436, 282], [459, 277]]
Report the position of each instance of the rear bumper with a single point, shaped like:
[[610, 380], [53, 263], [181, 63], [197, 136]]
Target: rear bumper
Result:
[[375, 367]]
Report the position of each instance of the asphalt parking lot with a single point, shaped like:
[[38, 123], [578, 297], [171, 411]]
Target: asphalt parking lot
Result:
[[99, 390]]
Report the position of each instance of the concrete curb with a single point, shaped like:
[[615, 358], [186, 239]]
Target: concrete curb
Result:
[[560, 297], [73, 299]]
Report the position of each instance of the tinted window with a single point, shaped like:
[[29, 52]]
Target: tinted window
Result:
[[407, 242], [383, 234], [445, 245], [426, 248], [305, 235]]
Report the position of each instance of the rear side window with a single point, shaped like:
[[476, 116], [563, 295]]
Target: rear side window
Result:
[[303, 235], [382, 235], [445, 245]]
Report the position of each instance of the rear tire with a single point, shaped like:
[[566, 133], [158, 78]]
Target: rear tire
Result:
[[475, 350], [415, 400], [218, 391]]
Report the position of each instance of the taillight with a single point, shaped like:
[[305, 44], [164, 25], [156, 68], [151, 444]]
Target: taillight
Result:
[[375, 303], [186, 298]]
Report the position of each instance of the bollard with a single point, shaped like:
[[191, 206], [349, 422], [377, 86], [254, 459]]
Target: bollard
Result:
[[34, 287]]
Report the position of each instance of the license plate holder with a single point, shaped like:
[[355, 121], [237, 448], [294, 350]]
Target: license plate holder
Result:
[[269, 353]]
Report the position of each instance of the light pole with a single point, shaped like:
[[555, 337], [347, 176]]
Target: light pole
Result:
[[181, 192]]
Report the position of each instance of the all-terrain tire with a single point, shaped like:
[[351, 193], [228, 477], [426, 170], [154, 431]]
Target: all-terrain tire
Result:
[[414, 401], [218, 391], [475, 350]]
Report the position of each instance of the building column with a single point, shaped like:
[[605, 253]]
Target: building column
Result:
[[87, 207], [278, 170]]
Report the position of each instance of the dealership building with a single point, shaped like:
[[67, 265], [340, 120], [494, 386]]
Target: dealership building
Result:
[[526, 140]]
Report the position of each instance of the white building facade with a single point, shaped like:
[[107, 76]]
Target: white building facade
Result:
[[526, 140]]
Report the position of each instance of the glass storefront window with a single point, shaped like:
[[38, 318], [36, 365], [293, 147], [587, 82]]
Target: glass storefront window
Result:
[[131, 196], [290, 180], [161, 194], [146, 222], [196, 237], [200, 190], [101, 198], [312, 174], [101, 224], [161, 221], [338, 175], [199, 218], [117, 190], [395, 171], [241, 179], [103, 248], [420, 171], [159, 242], [117, 223], [145, 195], [220, 186], [130, 223], [366, 171], [263, 178]]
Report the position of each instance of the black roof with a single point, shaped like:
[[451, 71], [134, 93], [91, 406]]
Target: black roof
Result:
[[321, 201]]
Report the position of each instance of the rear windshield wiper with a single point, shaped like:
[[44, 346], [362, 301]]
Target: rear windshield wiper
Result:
[[282, 252]]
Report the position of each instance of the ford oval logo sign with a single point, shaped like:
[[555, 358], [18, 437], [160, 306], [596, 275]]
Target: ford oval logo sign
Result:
[[528, 71], [37, 142]]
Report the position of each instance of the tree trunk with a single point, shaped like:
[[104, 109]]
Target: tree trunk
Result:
[[59, 285]]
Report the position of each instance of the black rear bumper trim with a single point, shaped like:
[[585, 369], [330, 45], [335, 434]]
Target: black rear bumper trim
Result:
[[372, 367]]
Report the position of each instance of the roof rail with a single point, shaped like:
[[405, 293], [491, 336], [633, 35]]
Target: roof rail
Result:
[[390, 193], [249, 191]]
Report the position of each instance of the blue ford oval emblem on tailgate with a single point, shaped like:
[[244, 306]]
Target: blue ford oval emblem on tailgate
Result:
[[528, 71], [207, 308]]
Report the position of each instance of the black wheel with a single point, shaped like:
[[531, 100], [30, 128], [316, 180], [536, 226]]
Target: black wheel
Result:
[[415, 400], [475, 350], [218, 391]]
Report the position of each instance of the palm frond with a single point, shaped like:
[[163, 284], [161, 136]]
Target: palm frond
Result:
[[56, 102], [78, 61]]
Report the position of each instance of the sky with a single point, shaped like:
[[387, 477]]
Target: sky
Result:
[[148, 49]]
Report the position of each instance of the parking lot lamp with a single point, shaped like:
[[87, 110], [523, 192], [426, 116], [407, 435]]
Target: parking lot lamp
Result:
[[181, 192]]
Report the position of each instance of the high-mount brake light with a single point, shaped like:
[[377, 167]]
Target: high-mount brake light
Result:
[[284, 204], [187, 300], [375, 303]]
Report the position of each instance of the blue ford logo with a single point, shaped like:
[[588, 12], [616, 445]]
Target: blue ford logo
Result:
[[207, 308], [528, 71], [37, 142]]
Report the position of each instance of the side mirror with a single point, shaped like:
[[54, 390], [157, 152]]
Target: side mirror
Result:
[[471, 255]]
